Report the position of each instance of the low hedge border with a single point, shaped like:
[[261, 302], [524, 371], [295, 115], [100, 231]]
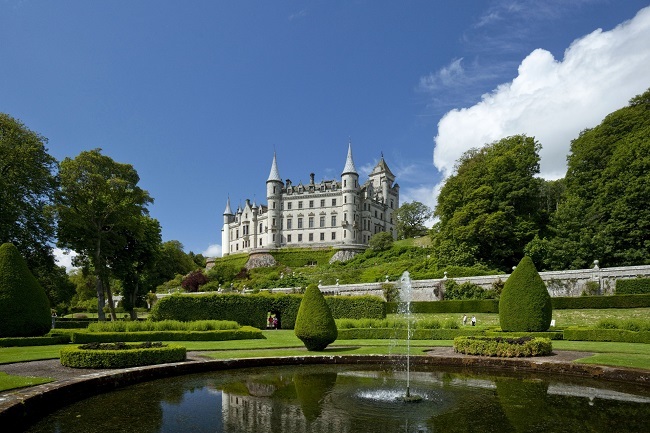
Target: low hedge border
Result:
[[598, 302], [462, 306], [617, 335], [503, 347], [401, 334], [244, 333], [551, 335], [76, 357], [633, 286], [33, 341], [72, 324]]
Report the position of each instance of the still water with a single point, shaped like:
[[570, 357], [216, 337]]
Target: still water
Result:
[[353, 399]]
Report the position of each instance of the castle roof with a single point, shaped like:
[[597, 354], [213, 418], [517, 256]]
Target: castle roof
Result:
[[228, 211], [349, 164], [382, 167], [275, 174]]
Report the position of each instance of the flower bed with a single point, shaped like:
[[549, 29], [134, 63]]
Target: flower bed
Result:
[[503, 347], [120, 355]]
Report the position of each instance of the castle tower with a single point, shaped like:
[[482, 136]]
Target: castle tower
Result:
[[274, 198], [350, 192], [387, 193], [228, 217]]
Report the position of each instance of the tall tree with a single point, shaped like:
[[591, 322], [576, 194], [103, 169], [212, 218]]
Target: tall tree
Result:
[[171, 261], [411, 218], [605, 211], [27, 186], [489, 209], [98, 200]]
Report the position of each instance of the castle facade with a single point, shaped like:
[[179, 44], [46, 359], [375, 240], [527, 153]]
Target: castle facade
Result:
[[343, 213]]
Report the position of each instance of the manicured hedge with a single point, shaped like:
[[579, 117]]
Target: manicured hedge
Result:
[[503, 347], [618, 335], [634, 286], [94, 358], [73, 324], [552, 335], [253, 310], [597, 302], [461, 306], [245, 333], [34, 341], [401, 334], [315, 325]]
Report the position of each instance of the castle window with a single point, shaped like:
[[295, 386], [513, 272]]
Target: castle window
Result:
[[289, 223], [273, 222], [289, 205], [273, 205], [322, 221], [322, 203], [311, 222], [288, 238], [333, 220], [311, 237], [345, 183], [299, 223], [237, 233], [391, 203], [273, 238], [311, 203], [260, 227], [322, 236], [345, 199], [300, 205], [299, 238], [333, 236], [274, 189], [333, 202]]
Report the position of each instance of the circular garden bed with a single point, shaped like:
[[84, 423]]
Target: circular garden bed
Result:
[[121, 355]]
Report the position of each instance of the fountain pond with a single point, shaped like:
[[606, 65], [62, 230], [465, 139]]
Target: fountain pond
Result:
[[358, 398]]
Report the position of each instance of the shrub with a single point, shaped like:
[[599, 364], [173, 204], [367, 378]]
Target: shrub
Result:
[[466, 290], [121, 355], [356, 307], [464, 306], [401, 333], [33, 341], [165, 325], [592, 288], [315, 324], [615, 301], [503, 347], [24, 307], [194, 280], [381, 241], [618, 335], [244, 333], [525, 304], [634, 286]]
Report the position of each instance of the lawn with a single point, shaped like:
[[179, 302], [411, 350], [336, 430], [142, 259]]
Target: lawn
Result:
[[11, 382]]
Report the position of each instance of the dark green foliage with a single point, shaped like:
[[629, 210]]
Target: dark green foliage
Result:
[[24, 307], [311, 390], [381, 241], [634, 286], [34, 341], [411, 218], [97, 358], [72, 324], [629, 325], [401, 334], [503, 346], [194, 280], [525, 304], [619, 335], [356, 307], [464, 306], [315, 324], [466, 290], [244, 333], [616, 301]]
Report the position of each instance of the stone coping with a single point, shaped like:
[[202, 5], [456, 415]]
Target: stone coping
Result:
[[19, 408]]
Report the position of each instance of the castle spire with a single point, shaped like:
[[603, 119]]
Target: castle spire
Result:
[[349, 164], [275, 174], [228, 211]]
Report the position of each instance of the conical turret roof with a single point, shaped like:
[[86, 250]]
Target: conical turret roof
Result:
[[382, 167], [228, 211], [349, 163], [275, 174]]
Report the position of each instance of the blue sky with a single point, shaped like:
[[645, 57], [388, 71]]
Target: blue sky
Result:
[[198, 95]]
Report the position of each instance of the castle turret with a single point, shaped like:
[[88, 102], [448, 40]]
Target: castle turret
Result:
[[225, 231], [274, 198], [349, 191]]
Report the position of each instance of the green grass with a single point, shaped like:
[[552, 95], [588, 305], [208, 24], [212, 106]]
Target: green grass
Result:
[[630, 360], [11, 382], [29, 353]]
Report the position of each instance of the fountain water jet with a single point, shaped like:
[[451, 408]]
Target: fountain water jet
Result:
[[405, 309]]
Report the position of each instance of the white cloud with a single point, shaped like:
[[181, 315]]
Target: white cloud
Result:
[[213, 250], [64, 258], [447, 76], [553, 100]]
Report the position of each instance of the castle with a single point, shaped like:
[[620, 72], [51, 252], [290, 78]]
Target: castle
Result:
[[340, 214]]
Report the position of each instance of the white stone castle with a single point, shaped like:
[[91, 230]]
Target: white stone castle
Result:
[[340, 214]]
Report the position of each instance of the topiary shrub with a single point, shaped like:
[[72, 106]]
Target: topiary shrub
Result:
[[315, 324], [24, 307], [525, 304], [121, 355]]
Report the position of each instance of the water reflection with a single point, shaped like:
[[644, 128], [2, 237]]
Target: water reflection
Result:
[[358, 399]]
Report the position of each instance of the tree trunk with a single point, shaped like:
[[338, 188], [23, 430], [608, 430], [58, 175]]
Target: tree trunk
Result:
[[111, 305], [100, 300], [133, 297]]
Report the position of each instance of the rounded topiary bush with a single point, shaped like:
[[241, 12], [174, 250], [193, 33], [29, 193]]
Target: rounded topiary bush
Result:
[[525, 305], [24, 307], [121, 355], [315, 324]]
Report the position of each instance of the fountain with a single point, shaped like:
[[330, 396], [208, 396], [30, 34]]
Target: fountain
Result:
[[405, 310]]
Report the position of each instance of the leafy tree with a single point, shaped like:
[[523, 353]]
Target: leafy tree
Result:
[[411, 218], [170, 262], [604, 213], [525, 305], [194, 280], [27, 186], [24, 307], [315, 324], [98, 201], [489, 209], [381, 241]]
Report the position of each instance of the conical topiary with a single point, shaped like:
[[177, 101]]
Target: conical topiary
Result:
[[315, 324], [525, 305], [24, 307]]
